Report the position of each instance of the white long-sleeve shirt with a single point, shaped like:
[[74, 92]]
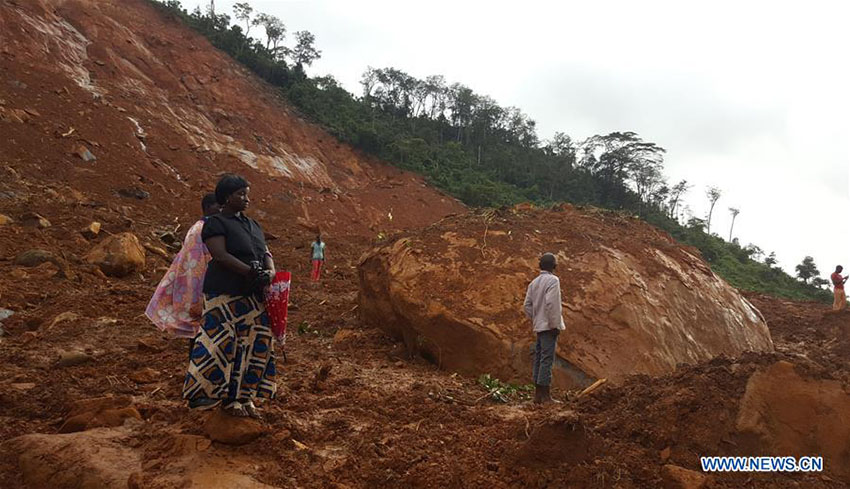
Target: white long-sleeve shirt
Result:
[[543, 302]]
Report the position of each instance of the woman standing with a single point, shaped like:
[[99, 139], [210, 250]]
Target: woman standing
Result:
[[233, 360], [318, 249]]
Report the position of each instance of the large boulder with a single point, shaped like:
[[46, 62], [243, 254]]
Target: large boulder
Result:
[[784, 414], [636, 301], [118, 255]]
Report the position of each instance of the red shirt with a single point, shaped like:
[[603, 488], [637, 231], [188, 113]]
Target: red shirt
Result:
[[837, 280]]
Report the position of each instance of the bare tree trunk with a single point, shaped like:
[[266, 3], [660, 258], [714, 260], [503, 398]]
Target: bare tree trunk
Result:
[[732, 227], [708, 225]]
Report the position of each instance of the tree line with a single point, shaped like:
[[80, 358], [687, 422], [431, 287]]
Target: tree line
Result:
[[479, 151]]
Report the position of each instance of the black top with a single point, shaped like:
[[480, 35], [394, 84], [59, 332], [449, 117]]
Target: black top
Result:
[[244, 239]]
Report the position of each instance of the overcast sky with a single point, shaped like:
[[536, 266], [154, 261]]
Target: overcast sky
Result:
[[749, 96]]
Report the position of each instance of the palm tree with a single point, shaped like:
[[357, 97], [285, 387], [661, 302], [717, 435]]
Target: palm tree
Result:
[[734, 213], [713, 194]]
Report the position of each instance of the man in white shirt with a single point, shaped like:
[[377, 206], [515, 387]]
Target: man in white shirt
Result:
[[543, 307]]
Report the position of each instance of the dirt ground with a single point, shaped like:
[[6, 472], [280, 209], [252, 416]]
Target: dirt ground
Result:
[[378, 417], [354, 411]]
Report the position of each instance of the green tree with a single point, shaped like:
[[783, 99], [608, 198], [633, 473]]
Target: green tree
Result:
[[807, 269], [305, 52], [771, 259], [242, 11], [275, 33]]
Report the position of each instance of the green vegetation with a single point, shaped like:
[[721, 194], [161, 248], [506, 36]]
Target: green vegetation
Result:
[[484, 154], [504, 392]]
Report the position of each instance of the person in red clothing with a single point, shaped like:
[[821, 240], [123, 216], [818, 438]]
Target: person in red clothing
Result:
[[838, 281]]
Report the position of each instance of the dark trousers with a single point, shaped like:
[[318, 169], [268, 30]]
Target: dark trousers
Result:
[[544, 356]]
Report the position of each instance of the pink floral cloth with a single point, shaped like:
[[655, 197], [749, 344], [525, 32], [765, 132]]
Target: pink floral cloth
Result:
[[177, 303]]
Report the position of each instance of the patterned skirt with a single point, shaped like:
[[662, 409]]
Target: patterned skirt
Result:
[[233, 357]]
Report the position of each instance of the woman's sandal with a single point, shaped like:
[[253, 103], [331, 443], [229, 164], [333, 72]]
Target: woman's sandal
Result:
[[252, 411], [236, 409]]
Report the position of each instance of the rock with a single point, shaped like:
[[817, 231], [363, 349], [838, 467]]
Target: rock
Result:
[[64, 317], [785, 414], [146, 375], [222, 427], [91, 231], [6, 314], [72, 358], [156, 250], [636, 301], [676, 477], [46, 270], [97, 404], [34, 258], [23, 386], [148, 345], [118, 255], [86, 460], [85, 154], [28, 337], [169, 238], [36, 220], [665, 454], [4, 220], [107, 418], [343, 337], [99, 412], [133, 193]]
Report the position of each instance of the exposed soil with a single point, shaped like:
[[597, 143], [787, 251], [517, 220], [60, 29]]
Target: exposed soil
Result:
[[353, 410]]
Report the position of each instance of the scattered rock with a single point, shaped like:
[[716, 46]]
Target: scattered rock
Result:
[[343, 337], [73, 358], [97, 404], [34, 258], [676, 477], [118, 255], [169, 238], [6, 314], [19, 274], [146, 375], [64, 317], [36, 220], [134, 193], [221, 427], [4, 220], [156, 250], [107, 418], [46, 270], [148, 345], [99, 412], [28, 337], [85, 154], [91, 231]]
